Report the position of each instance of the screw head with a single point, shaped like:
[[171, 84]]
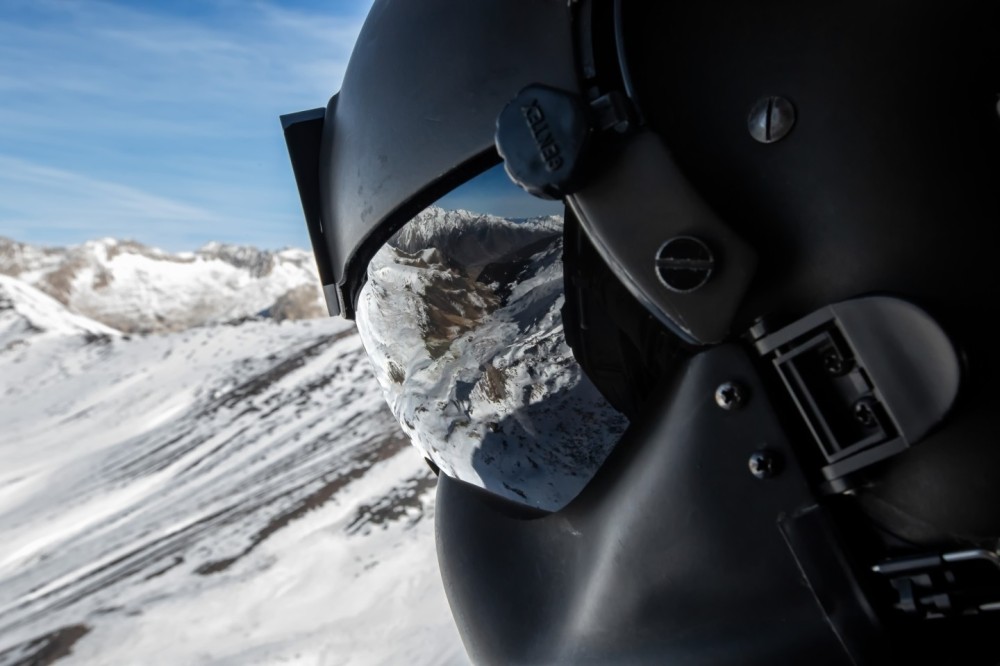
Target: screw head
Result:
[[730, 396], [835, 364], [684, 264], [771, 119], [764, 464], [864, 412]]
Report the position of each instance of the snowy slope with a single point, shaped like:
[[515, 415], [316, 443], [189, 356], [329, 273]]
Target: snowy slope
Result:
[[132, 287], [462, 317], [228, 494], [27, 314], [482, 237]]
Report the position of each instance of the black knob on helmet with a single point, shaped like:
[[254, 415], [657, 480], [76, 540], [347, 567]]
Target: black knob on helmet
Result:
[[541, 135]]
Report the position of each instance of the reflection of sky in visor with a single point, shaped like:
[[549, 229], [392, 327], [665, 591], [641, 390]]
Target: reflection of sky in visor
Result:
[[493, 192]]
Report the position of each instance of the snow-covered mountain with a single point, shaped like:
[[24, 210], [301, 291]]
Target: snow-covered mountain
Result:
[[135, 288], [462, 316], [194, 471], [229, 494], [27, 315], [469, 239]]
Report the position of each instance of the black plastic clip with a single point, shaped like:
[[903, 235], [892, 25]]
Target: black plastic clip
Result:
[[870, 377], [612, 111]]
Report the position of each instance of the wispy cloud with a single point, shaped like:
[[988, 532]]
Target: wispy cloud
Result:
[[162, 119], [55, 206]]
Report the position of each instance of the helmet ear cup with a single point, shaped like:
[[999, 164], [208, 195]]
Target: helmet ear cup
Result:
[[623, 349]]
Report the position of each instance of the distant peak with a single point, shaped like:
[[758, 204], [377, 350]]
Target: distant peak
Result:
[[39, 313]]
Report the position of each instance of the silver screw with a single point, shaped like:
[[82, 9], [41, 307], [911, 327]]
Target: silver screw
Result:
[[684, 264], [763, 464], [771, 119], [730, 396]]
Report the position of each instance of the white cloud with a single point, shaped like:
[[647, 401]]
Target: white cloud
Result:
[[37, 198], [21, 177], [109, 111]]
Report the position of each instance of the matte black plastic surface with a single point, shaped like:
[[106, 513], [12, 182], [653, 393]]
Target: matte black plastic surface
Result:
[[888, 183], [418, 108], [674, 554], [303, 131], [638, 202], [896, 353], [542, 135]]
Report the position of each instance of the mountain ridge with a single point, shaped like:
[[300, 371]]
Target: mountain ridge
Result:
[[136, 288], [27, 313]]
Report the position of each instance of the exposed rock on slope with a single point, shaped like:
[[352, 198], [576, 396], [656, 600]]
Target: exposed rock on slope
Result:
[[227, 494], [132, 287]]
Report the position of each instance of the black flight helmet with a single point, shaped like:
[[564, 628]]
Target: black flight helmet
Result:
[[715, 387]]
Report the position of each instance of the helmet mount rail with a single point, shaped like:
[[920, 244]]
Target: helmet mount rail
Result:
[[661, 205], [622, 183], [544, 137], [939, 585], [869, 377]]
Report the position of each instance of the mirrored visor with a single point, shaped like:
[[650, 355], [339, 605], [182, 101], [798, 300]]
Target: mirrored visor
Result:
[[461, 317]]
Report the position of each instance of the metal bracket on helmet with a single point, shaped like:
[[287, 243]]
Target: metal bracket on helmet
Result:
[[869, 376], [936, 585], [590, 148], [631, 210]]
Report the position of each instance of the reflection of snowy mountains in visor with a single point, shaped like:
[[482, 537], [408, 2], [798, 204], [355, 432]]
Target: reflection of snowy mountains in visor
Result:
[[461, 317]]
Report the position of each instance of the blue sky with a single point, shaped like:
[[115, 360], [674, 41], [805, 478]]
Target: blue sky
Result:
[[494, 192], [158, 121]]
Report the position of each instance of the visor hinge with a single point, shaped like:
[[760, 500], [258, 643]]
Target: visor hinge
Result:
[[952, 584], [612, 112]]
